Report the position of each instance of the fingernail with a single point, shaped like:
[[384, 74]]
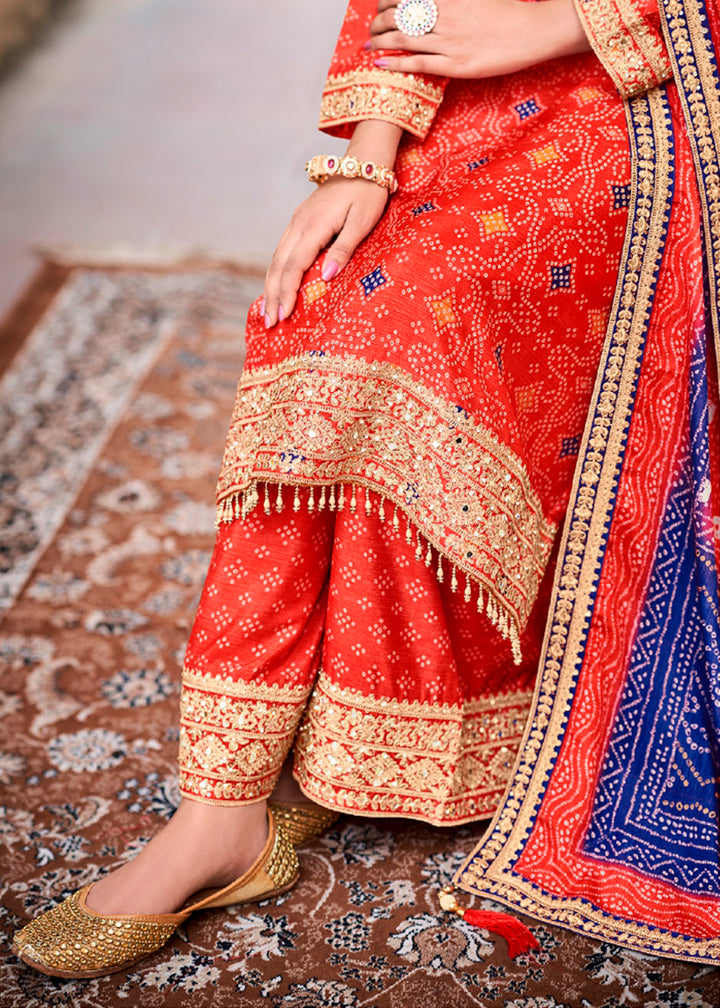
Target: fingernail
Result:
[[262, 306], [267, 320], [382, 63], [281, 314], [329, 270], [367, 45]]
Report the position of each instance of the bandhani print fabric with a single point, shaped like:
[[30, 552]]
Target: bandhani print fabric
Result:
[[450, 366], [610, 825], [337, 680], [435, 391]]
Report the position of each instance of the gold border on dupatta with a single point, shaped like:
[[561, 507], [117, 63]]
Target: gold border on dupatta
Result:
[[687, 32], [489, 869]]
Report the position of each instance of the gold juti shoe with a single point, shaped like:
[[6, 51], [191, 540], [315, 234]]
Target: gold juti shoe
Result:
[[72, 940], [303, 821]]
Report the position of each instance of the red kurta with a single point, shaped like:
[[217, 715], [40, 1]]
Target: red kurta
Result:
[[426, 406]]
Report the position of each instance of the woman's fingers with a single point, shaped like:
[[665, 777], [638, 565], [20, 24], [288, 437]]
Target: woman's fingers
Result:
[[383, 22], [271, 289], [384, 34], [346, 208], [405, 43], [423, 63], [296, 252], [299, 259], [356, 228]]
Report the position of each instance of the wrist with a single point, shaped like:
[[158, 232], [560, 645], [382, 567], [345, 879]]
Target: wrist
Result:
[[375, 140], [559, 30]]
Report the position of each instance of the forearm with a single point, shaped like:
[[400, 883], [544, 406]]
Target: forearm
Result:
[[558, 29]]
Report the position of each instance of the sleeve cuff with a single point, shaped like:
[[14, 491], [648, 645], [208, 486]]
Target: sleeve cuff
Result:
[[626, 42], [408, 100]]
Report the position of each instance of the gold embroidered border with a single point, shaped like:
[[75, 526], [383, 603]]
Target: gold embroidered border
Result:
[[234, 736], [322, 420], [440, 763], [625, 44], [489, 869], [686, 28], [407, 100]]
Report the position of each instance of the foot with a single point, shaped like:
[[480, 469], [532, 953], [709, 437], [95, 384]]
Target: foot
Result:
[[201, 847]]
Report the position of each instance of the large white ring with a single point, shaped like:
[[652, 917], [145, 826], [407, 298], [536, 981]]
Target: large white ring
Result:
[[416, 17]]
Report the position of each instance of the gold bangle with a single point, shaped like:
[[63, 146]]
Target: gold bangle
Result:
[[323, 166]]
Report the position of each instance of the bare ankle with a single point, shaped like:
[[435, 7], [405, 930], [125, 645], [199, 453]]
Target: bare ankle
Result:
[[287, 788]]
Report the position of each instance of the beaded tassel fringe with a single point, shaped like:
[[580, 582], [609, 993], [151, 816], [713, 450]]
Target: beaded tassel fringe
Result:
[[335, 497]]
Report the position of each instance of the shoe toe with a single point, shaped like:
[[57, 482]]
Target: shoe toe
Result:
[[70, 940]]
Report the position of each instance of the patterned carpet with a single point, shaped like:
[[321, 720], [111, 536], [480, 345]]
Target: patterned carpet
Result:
[[112, 418]]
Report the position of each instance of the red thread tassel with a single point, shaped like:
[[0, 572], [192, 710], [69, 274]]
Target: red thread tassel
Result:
[[520, 939]]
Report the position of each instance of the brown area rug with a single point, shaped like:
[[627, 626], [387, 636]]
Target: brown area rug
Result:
[[113, 415]]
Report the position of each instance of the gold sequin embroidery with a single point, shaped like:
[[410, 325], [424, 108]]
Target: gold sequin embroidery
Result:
[[404, 99], [437, 762], [234, 732], [626, 44]]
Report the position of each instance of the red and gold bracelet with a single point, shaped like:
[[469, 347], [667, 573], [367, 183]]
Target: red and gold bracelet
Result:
[[322, 167]]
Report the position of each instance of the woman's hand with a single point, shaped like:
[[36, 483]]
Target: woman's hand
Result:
[[481, 38], [348, 208], [341, 208]]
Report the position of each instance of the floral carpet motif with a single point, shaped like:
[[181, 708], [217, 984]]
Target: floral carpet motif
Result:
[[112, 420]]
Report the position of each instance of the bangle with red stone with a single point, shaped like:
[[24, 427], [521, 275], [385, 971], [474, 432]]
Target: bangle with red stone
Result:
[[323, 166]]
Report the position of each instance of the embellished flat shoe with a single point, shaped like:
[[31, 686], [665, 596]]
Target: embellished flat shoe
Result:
[[72, 940], [303, 821]]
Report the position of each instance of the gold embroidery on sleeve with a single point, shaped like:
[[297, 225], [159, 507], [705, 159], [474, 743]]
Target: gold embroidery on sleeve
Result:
[[404, 99], [625, 44]]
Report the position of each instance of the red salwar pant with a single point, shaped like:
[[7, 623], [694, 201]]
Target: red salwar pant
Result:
[[274, 657]]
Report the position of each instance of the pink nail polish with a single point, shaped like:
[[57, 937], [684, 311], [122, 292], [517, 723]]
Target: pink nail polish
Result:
[[367, 45], [329, 270], [267, 320], [382, 63], [281, 314]]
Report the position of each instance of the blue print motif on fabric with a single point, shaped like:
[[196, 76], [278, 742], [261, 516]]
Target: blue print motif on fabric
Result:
[[427, 207], [657, 803], [527, 108], [570, 446], [621, 196], [372, 281], [561, 276]]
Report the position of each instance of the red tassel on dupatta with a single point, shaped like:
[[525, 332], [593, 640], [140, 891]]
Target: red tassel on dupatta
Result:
[[520, 939]]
